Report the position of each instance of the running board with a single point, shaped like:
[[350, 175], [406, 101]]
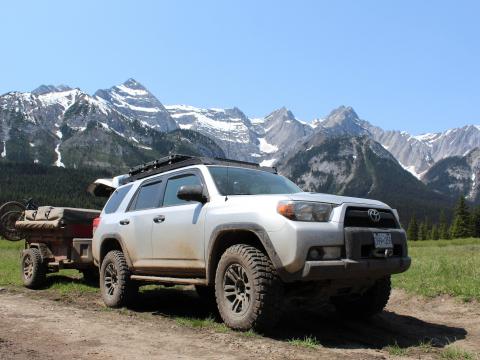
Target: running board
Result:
[[169, 280]]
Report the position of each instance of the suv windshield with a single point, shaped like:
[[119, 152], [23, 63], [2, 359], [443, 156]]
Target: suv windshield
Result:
[[243, 181]]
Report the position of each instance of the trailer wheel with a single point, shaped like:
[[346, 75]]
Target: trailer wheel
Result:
[[34, 271]]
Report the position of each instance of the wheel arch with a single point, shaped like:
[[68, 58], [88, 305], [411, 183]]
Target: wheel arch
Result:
[[226, 235], [110, 243]]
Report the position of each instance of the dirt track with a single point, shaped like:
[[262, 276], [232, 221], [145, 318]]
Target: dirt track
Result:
[[34, 326]]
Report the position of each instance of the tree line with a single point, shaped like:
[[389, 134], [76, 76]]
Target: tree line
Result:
[[465, 224]]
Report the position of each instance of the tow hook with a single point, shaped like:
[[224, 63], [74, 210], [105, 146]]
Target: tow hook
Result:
[[382, 253]]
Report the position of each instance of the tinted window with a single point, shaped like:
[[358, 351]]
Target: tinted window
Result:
[[148, 196], [241, 181], [174, 184], [116, 199]]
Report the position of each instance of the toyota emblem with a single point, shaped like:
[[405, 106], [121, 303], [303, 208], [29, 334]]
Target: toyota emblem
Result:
[[374, 215]]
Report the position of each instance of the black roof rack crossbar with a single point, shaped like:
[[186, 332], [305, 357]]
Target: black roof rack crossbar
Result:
[[177, 161]]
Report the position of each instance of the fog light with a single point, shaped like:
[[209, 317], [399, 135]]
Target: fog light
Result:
[[331, 252], [325, 253], [314, 254]]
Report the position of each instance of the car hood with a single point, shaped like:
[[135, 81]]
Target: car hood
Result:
[[335, 199]]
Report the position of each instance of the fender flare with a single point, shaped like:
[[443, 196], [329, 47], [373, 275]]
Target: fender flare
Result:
[[258, 230], [115, 237]]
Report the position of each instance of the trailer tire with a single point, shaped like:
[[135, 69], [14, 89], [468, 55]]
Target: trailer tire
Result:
[[34, 271], [115, 284]]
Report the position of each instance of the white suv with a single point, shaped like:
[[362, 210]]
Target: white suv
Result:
[[247, 238]]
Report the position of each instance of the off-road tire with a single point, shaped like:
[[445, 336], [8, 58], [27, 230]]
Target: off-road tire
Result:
[[116, 287], [266, 291], [34, 271], [372, 302]]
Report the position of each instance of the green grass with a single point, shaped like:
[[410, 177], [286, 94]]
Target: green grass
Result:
[[10, 262], [201, 323], [65, 282], [456, 353], [309, 342], [396, 350], [450, 267]]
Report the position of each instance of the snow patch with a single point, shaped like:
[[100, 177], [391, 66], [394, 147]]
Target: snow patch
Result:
[[268, 163], [185, 126], [265, 147], [411, 169], [59, 134], [59, 162], [132, 92], [4, 152]]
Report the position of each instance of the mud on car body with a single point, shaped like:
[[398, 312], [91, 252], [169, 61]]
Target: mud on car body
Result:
[[249, 239]]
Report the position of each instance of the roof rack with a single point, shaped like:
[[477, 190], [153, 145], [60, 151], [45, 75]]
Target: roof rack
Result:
[[177, 161]]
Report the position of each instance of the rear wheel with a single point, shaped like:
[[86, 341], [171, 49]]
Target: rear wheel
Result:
[[247, 289], [34, 271], [115, 284], [371, 302]]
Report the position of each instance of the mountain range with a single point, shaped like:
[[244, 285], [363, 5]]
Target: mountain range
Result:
[[126, 125]]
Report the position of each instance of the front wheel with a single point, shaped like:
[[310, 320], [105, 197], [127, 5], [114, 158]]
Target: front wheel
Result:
[[371, 302], [115, 284], [247, 289], [34, 271]]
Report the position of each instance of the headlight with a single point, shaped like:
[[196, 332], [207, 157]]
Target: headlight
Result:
[[305, 210]]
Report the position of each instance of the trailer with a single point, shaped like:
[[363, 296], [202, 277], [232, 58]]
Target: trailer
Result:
[[55, 238]]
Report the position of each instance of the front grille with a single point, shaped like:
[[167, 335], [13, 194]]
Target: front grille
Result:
[[358, 217]]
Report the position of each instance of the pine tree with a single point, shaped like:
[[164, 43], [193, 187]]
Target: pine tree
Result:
[[476, 222], [443, 229], [412, 232], [461, 226], [422, 231], [428, 229], [434, 234]]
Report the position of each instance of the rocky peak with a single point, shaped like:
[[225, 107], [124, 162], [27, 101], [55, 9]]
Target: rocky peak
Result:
[[45, 89], [133, 100], [344, 120]]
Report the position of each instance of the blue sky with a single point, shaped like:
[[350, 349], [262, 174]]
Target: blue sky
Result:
[[409, 65]]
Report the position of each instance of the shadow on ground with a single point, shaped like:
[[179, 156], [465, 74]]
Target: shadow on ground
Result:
[[329, 329]]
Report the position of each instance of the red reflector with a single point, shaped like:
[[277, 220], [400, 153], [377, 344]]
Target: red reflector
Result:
[[96, 223]]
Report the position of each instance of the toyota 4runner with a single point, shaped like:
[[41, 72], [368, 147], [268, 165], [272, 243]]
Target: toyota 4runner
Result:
[[247, 238]]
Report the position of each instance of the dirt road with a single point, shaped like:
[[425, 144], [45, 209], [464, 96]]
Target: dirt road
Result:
[[34, 326]]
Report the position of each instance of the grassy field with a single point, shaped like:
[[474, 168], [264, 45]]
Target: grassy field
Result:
[[449, 267], [439, 267], [65, 282]]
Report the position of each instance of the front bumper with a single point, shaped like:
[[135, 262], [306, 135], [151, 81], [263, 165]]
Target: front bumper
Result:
[[347, 269]]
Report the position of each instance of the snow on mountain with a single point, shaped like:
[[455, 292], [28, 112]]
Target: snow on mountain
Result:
[[230, 128], [133, 100]]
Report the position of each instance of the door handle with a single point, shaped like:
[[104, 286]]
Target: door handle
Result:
[[159, 219], [124, 222]]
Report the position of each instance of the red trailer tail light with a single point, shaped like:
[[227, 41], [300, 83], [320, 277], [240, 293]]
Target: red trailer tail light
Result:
[[96, 223]]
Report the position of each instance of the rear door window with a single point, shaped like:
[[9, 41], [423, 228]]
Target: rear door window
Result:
[[149, 196], [116, 199]]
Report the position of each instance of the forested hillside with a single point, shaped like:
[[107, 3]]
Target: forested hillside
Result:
[[49, 185]]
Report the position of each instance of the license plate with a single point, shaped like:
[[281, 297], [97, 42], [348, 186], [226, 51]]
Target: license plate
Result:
[[382, 240]]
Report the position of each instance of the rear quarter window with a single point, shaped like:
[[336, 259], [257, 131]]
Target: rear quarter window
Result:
[[116, 199]]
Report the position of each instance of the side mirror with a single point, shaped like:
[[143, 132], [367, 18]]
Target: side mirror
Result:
[[192, 193]]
